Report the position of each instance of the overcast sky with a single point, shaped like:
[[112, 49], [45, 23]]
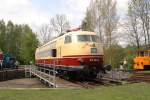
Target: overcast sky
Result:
[[37, 12]]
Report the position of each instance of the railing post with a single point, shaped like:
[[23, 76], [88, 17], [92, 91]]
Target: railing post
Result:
[[30, 70], [25, 71], [54, 74]]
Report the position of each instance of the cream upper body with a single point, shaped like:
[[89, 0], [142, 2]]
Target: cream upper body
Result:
[[70, 44]]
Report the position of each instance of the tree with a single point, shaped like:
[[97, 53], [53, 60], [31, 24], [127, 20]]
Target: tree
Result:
[[134, 35], [45, 33], [139, 22], [101, 17], [118, 55], [2, 35], [88, 23], [59, 24], [28, 46], [130, 53], [18, 40], [15, 41], [142, 9], [9, 36]]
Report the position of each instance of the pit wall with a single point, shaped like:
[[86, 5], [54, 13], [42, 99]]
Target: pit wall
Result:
[[11, 74]]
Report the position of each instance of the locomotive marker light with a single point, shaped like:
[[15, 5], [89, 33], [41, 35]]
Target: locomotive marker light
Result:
[[95, 60]]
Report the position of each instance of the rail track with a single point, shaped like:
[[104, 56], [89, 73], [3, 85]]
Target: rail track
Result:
[[87, 83], [93, 83], [110, 79], [139, 76], [134, 77]]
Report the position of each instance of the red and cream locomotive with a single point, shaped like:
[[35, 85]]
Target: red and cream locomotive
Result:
[[75, 53]]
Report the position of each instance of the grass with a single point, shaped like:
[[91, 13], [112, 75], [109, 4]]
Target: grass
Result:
[[138, 91]]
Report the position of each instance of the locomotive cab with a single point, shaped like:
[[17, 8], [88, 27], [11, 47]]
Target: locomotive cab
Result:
[[83, 43]]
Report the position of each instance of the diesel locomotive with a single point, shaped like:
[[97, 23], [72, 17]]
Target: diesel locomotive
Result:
[[142, 60], [75, 54]]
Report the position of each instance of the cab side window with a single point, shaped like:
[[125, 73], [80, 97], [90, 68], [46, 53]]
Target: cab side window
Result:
[[68, 39], [54, 52], [142, 53]]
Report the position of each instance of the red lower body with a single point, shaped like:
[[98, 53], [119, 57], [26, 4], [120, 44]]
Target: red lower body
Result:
[[79, 65], [73, 61]]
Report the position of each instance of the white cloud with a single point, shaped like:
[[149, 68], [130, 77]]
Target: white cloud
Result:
[[26, 12], [122, 4], [78, 5], [22, 12], [122, 7], [76, 10]]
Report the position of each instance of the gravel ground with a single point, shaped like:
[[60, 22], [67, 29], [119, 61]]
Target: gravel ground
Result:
[[118, 75], [35, 83], [22, 83]]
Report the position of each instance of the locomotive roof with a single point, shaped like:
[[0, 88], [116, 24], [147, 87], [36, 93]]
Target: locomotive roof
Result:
[[69, 33], [143, 51], [146, 50]]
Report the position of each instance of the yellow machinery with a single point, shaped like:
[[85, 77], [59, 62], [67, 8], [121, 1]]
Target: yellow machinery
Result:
[[142, 60]]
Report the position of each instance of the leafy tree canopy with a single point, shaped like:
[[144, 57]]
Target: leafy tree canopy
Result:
[[18, 40]]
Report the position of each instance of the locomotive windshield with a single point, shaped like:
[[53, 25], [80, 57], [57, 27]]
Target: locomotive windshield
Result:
[[143, 53], [87, 38]]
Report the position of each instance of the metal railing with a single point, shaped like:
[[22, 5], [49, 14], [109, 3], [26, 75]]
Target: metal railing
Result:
[[47, 74]]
